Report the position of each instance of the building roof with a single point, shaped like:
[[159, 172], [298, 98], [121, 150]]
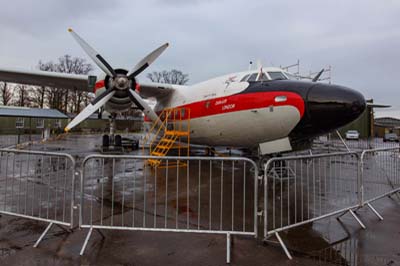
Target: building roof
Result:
[[382, 113], [8, 111], [387, 122]]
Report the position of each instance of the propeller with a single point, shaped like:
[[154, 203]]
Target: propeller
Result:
[[145, 62], [315, 79], [117, 82]]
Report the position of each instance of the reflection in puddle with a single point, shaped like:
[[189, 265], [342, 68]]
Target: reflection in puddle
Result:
[[343, 252], [8, 251]]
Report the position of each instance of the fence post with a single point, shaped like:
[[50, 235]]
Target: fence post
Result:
[[361, 179], [361, 185]]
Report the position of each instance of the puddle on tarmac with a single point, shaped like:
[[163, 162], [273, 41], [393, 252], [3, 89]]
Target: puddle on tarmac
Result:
[[324, 245], [343, 252], [8, 251]]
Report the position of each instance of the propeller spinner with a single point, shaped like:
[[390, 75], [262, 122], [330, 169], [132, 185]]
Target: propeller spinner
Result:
[[117, 81]]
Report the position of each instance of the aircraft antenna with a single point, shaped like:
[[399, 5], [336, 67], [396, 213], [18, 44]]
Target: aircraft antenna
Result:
[[250, 65]]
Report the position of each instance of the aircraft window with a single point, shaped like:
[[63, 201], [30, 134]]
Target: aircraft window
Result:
[[280, 99], [291, 76], [253, 77], [277, 75], [245, 78]]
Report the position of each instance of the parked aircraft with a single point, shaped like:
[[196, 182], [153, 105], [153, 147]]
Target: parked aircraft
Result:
[[266, 108]]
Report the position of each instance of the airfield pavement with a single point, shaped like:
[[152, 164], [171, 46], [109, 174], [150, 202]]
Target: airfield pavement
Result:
[[318, 244]]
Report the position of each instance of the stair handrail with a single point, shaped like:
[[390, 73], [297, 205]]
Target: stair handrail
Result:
[[164, 124], [175, 115], [159, 122]]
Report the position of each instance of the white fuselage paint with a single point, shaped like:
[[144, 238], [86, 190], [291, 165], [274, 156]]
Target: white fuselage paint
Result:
[[244, 128]]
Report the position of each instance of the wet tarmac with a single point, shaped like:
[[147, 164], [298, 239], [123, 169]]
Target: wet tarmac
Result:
[[327, 242]]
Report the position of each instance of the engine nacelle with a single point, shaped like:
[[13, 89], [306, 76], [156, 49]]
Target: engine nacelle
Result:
[[121, 101]]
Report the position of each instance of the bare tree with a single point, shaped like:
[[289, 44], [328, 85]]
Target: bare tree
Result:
[[59, 98], [38, 96], [22, 95], [86, 99], [6, 94], [156, 76], [172, 77]]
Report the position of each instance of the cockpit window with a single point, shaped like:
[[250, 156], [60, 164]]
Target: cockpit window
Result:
[[253, 77], [276, 75], [290, 76], [245, 78]]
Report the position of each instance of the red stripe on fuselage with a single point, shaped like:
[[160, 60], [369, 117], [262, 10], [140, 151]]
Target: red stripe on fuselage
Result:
[[241, 102]]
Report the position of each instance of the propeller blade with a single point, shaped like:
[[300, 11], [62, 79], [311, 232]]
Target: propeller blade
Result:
[[145, 62], [90, 109], [146, 109], [96, 57], [315, 79]]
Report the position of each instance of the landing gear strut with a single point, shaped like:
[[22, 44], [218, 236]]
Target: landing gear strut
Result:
[[112, 139]]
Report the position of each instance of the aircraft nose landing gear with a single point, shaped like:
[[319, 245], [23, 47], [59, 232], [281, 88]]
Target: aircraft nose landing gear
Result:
[[115, 144], [112, 143], [106, 141]]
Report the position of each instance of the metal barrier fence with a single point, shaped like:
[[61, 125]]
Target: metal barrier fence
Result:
[[10, 141], [380, 175], [302, 189], [37, 185], [326, 144], [207, 195], [212, 195]]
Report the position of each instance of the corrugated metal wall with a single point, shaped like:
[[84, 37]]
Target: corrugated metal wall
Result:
[[364, 125], [7, 125]]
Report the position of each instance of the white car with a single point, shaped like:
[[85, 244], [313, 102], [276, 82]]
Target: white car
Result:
[[352, 134]]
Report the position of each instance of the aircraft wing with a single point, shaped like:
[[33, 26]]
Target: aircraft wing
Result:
[[48, 79], [157, 90]]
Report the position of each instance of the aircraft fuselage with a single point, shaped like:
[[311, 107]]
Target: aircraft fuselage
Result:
[[228, 112]]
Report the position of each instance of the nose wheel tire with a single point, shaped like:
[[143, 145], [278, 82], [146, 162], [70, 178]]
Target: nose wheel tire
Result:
[[106, 141], [118, 141]]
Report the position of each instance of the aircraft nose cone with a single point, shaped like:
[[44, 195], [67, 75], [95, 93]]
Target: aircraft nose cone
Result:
[[331, 106]]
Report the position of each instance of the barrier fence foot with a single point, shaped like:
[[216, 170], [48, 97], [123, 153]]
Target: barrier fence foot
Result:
[[228, 248], [283, 246], [100, 233], [375, 211], [357, 219], [397, 193], [42, 235], [86, 241]]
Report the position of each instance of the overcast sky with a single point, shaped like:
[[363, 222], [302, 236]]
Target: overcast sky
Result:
[[360, 39]]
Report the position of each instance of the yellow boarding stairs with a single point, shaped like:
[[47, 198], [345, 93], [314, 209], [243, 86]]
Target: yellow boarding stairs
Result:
[[170, 132]]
